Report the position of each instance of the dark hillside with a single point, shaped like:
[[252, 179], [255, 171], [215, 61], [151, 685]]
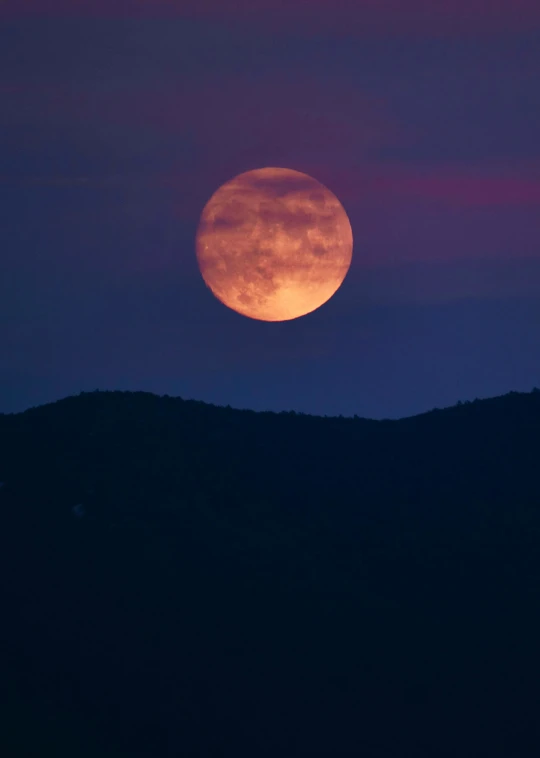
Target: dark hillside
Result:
[[186, 580]]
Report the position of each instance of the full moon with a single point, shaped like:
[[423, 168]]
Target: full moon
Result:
[[274, 244]]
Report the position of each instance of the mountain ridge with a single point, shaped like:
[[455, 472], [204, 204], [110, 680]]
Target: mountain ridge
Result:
[[182, 579], [126, 394]]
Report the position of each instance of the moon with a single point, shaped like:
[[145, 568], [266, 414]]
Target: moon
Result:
[[274, 244]]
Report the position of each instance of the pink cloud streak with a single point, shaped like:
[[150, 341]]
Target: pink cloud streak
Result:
[[351, 17], [463, 188]]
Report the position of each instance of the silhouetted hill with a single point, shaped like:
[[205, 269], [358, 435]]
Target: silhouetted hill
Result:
[[186, 580]]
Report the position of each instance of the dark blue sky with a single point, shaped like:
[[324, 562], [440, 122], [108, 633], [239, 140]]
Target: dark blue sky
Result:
[[116, 127]]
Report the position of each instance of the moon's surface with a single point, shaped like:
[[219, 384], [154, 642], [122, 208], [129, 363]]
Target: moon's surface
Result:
[[274, 244]]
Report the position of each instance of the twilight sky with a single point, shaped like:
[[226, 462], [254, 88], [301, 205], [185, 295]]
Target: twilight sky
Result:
[[118, 120]]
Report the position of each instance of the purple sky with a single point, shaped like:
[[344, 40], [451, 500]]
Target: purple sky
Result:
[[117, 126]]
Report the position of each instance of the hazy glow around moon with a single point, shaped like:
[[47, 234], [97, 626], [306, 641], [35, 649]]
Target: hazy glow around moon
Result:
[[274, 244]]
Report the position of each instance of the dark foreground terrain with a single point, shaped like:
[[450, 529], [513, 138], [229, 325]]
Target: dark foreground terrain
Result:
[[183, 580]]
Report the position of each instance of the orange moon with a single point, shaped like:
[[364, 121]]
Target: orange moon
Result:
[[274, 244]]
